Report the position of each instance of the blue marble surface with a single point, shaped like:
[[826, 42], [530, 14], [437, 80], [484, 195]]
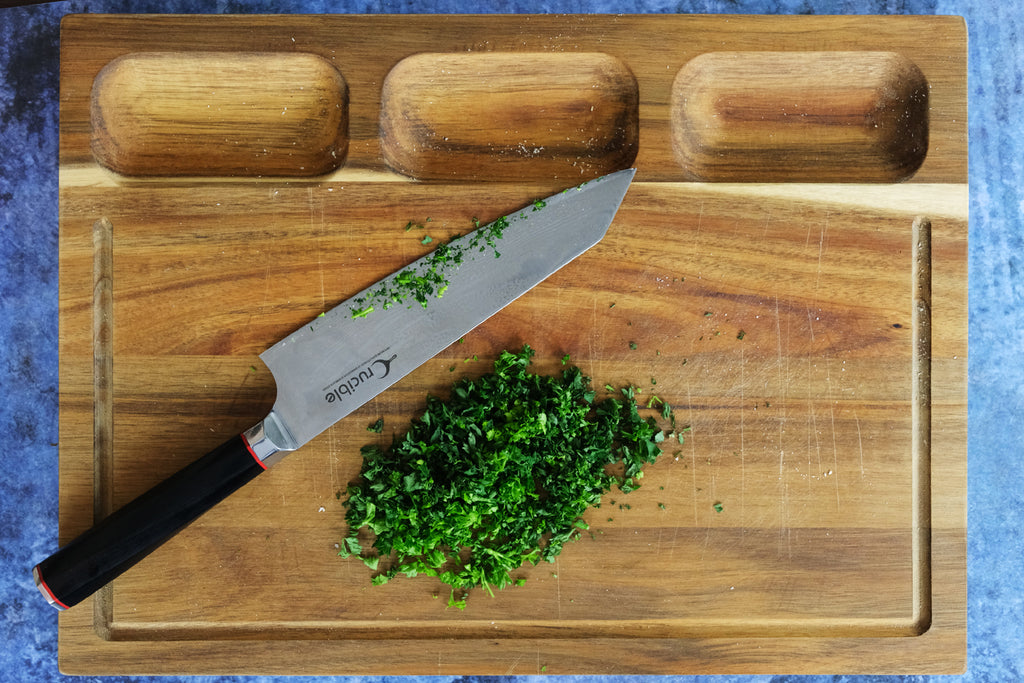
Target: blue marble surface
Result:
[[28, 306]]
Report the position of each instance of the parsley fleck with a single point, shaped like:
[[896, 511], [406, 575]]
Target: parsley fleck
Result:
[[362, 312]]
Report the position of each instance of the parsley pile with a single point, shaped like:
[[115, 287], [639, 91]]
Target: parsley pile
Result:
[[496, 476]]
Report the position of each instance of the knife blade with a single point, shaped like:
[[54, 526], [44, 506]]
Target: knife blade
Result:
[[339, 361]]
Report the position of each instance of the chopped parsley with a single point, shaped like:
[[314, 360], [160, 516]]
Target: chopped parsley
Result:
[[362, 312], [413, 224], [497, 475], [427, 278]]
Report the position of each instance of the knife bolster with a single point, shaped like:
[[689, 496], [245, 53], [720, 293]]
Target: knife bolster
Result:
[[265, 441]]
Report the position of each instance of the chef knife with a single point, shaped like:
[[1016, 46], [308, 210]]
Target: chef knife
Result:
[[335, 364]]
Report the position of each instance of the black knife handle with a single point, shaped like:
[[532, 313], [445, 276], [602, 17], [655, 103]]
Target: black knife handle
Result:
[[117, 542]]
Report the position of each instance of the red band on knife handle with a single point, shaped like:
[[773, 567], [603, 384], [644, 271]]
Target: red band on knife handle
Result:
[[253, 453], [41, 582]]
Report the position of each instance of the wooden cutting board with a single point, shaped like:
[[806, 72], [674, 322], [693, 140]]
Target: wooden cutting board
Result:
[[788, 271]]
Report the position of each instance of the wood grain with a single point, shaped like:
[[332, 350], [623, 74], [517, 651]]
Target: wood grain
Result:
[[800, 116], [812, 335], [489, 116], [219, 113]]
